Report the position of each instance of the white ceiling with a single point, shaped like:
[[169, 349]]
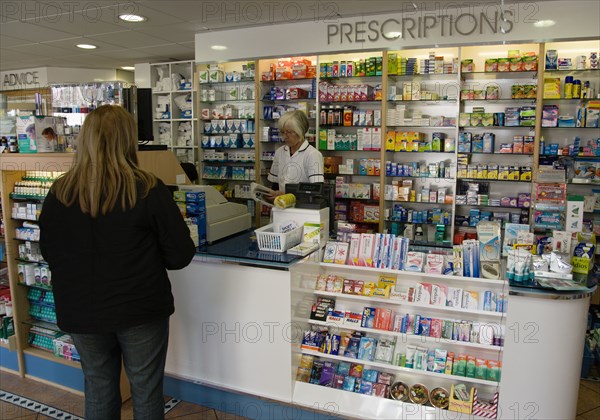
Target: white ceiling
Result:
[[44, 33]]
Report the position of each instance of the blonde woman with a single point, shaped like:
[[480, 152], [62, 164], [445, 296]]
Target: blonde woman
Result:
[[109, 232], [296, 161]]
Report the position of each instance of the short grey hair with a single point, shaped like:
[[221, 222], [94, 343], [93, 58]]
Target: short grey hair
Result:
[[297, 121]]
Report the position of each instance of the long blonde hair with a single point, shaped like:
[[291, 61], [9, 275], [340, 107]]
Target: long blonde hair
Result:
[[106, 168]]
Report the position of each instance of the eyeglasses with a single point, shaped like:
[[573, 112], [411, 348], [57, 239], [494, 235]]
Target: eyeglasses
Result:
[[287, 132]]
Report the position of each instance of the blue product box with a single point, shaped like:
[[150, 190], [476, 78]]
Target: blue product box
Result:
[[366, 349], [200, 221], [477, 144], [488, 142], [349, 382], [417, 325], [370, 375], [193, 208], [198, 197], [366, 387], [343, 368], [368, 317]]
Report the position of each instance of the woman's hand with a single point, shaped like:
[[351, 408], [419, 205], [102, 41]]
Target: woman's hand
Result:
[[275, 194]]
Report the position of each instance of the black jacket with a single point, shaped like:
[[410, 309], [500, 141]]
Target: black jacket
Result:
[[109, 272]]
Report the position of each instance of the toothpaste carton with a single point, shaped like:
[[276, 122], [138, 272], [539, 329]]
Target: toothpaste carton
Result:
[[455, 297], [470, 300], [414, 261], [439, 294], [422, 293]]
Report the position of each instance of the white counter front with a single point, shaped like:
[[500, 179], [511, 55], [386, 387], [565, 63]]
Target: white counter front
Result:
[[231, 328]]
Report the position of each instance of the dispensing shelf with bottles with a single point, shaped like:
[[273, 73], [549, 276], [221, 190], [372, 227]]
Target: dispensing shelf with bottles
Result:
[[350, 94], [227, 104], [36, 315], [421, 121]]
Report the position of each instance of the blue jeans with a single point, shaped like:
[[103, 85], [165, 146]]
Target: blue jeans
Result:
[[143, 350]]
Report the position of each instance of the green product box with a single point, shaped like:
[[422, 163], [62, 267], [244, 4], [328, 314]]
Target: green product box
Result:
[[370, 69], [392, 63], [476, 119], [179, 196], [464, 119], [322, 139], [378, 66], [448, 326]]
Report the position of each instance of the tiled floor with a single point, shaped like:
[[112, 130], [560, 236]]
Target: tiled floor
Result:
[[588, 407], [73, 403], [588, 404]]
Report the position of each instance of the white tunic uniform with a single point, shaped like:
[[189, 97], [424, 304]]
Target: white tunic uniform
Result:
[[306, 165]]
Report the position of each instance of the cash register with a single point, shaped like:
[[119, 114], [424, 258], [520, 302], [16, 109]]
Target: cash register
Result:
[[222, 217]]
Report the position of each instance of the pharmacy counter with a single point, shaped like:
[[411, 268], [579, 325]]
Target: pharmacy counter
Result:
[[232, 324], [233, 330], [543, 348]]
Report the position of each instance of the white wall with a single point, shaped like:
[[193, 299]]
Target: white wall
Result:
[[574, 19], [142, 75], [76, 75]]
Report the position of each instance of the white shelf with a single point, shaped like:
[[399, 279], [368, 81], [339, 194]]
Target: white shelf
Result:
[[400, 368], [411, 304], [406, 337], [187, 69], [417, 276], [354, 405]]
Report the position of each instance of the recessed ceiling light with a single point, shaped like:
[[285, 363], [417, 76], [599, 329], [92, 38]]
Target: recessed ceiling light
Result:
[[218, 47], [393, 34], [132, 18], [544, 23], [87, 46], [130, 68]]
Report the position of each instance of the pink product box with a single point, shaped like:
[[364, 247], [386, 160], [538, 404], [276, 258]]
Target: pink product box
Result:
[[422, 293], [439, 294]]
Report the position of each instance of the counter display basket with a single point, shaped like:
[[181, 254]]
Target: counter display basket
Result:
[[277, 242]]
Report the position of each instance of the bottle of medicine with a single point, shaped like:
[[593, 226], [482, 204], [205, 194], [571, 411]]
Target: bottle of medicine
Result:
[[576, 89], [419, 234], [568, 94]]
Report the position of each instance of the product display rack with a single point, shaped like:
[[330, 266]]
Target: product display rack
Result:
[[350, 132], [421, 103], [557, 142], [14, 166], [492, 92], [275, 83], [304, 279], [449, 96], [175, 121], [228, 133], [24, 309]]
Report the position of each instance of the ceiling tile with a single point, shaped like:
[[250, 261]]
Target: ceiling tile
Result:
[[179, 32], [10, 54], [42, 50], [126, 54], [131, 39], [30, 32], [181, 9], [70, 44], [169, 50], [165, 15], [8, 41], [19, 10], [76, 24]]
